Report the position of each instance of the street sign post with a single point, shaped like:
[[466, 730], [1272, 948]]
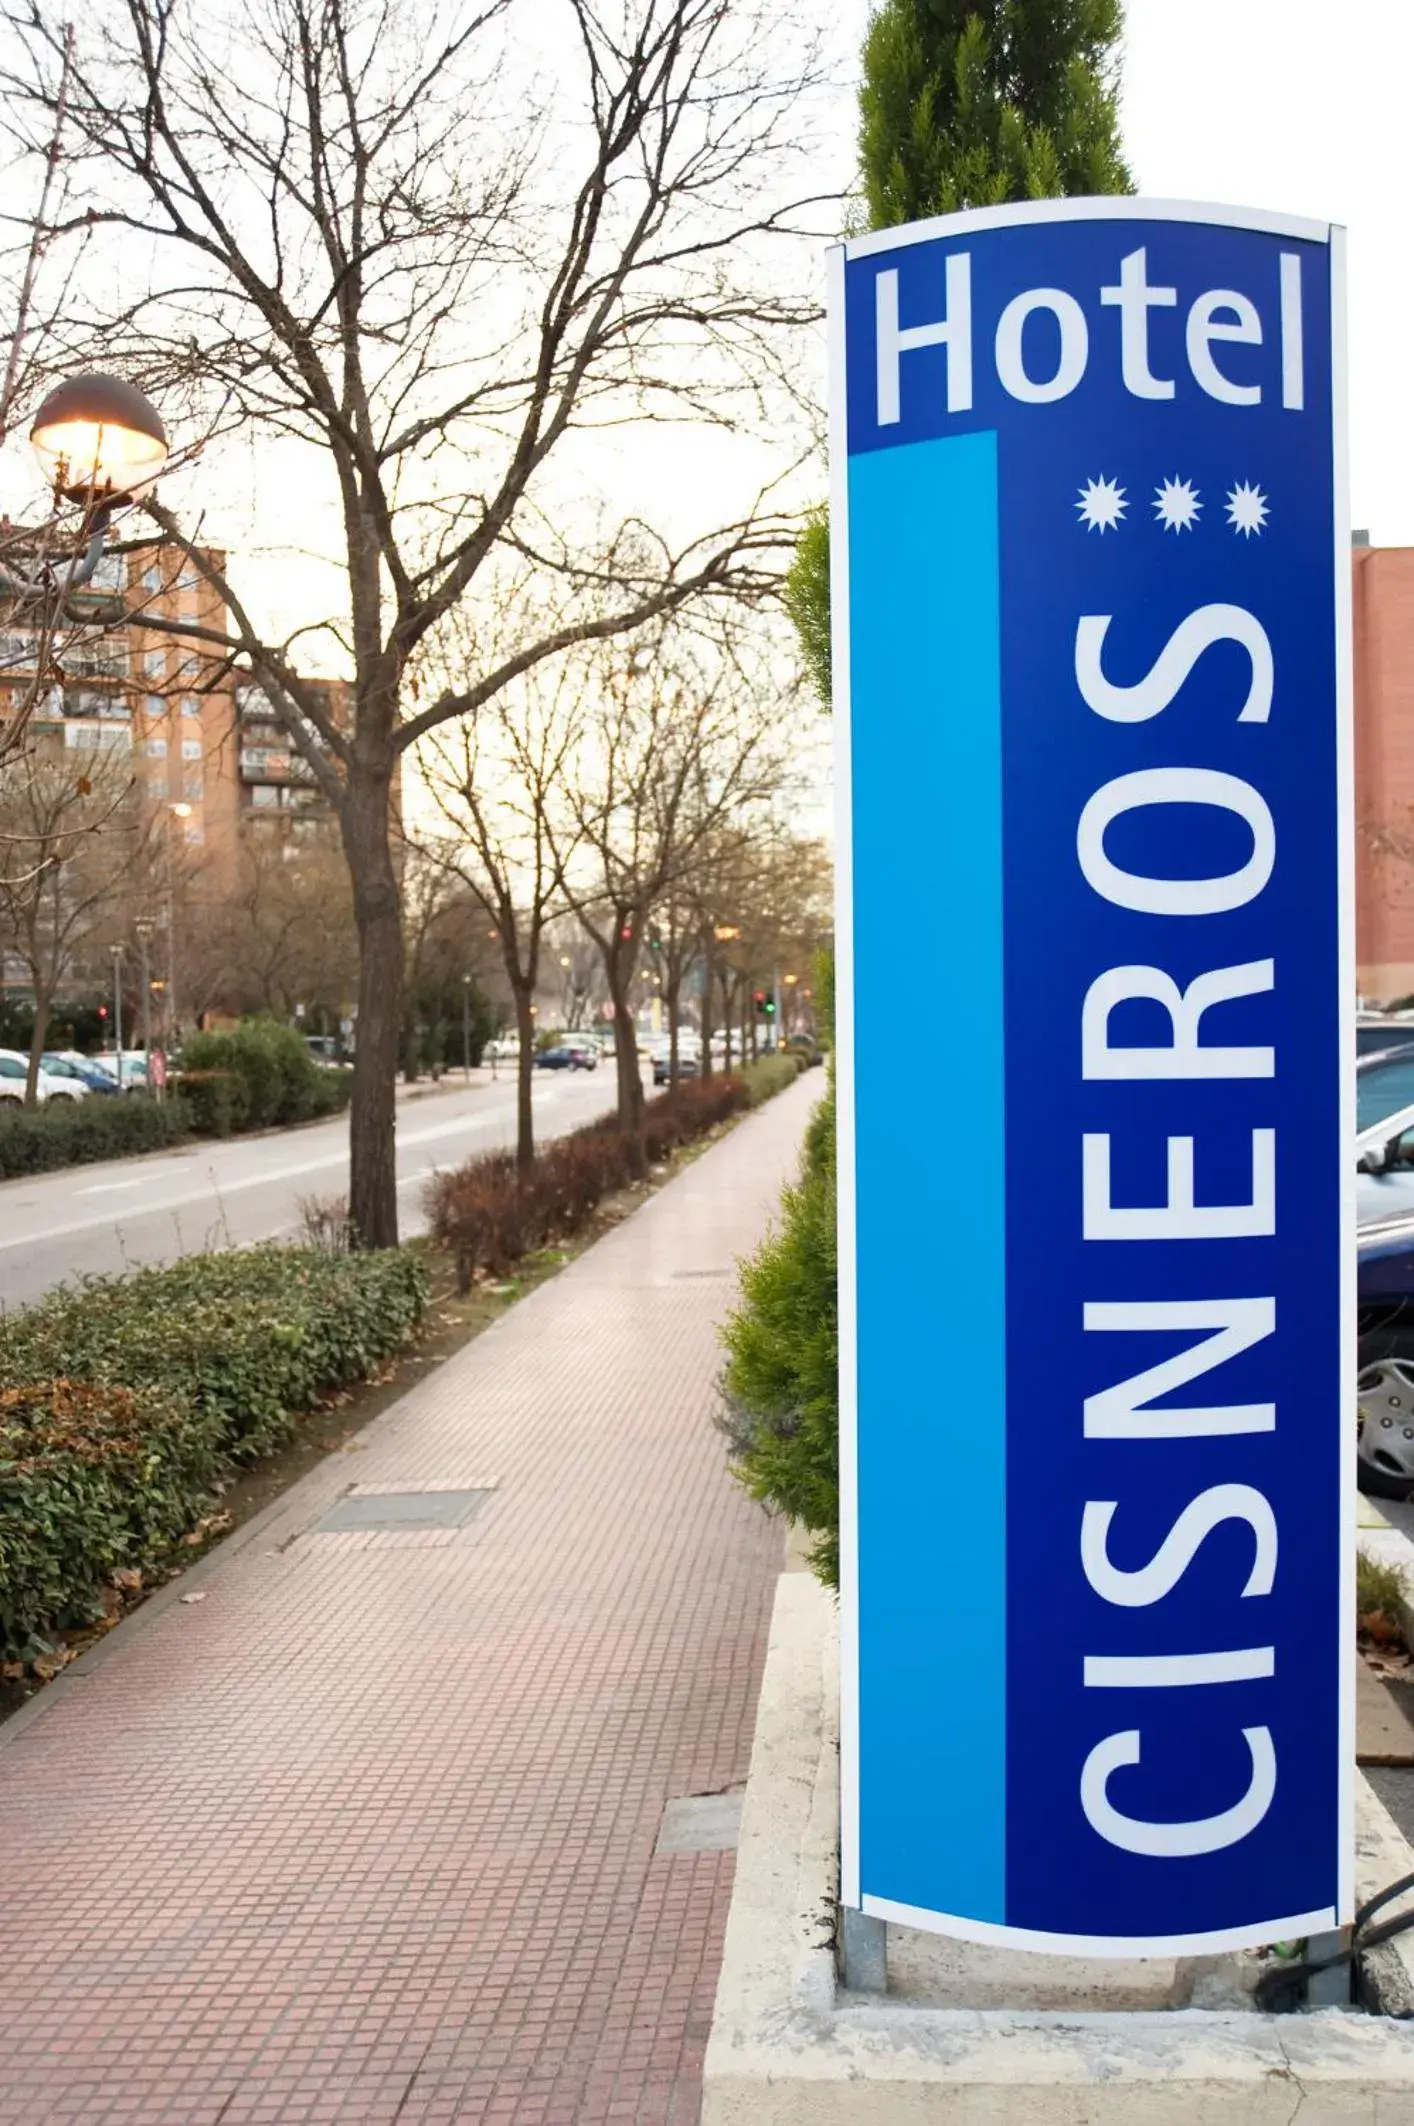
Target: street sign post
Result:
[[1091, 638]]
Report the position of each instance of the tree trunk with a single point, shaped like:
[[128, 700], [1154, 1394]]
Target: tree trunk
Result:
[[36, 1046], [630, 1080], [726, 1024], [705, 1066], [525, 1073], [373, 1180], [674, 1030]]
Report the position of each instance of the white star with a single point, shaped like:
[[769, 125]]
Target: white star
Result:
[[1101, 504], [1247, 510], [1176, 505]]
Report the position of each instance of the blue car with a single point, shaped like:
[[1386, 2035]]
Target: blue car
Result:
[[77, 1068]]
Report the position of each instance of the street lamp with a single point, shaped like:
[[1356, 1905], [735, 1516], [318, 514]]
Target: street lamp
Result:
[[466, 1027], [100, 443], [176, 811], [99, 440], [117, 953], [144, 927]]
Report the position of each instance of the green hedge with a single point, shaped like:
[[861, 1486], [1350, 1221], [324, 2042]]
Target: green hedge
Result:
[[269, 1077], [126, 1398], [36, 1140], [781, 1383], [771, 1074]]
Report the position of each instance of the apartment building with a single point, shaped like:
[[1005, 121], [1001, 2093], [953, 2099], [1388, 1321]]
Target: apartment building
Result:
[[205, 744], [278, 797], [1384, 769]]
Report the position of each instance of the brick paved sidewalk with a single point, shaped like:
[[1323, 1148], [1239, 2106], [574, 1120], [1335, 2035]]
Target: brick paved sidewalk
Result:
[[367, 1833]]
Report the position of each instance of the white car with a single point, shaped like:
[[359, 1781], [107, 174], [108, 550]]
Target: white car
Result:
[[14, 1073]]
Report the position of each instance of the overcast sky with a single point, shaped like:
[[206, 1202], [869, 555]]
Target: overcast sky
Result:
[[1279, 103]]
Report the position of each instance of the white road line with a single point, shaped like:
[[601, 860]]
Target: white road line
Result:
[[106, 1188], [462, 1126]]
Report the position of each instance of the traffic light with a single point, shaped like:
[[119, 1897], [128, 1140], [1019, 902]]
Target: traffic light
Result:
[[765, 1004]]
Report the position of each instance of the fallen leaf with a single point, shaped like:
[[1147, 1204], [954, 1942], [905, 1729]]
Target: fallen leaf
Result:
[[128, 1578], [49, 1665], [200, 1596], [1378, 1626], [12, 1671]]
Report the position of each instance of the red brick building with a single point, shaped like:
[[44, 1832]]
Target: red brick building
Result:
[[1384, 769]]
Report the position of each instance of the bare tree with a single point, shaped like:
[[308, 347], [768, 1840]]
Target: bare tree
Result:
[[281, 933], [354, 248], [676, 740], [70, 841], [501, 788]]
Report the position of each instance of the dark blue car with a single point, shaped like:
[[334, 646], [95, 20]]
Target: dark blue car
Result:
[[1386, 1357]]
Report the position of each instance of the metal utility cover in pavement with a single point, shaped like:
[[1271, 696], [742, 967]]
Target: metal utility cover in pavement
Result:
[[701, 1823], [374, 1510]]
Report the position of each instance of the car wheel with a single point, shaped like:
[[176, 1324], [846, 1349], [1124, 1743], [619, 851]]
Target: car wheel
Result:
[[1385, 1393]]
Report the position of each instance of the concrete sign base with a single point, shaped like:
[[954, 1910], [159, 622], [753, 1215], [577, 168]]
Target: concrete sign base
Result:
[[1167, 2043]]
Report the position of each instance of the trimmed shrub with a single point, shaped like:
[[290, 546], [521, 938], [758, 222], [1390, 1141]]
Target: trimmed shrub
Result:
[[250, 1336], [216, 1099], [489, 1216], [781, 1382], [92, 1479], [128, 1397], [279, 1077], [771, 1074], [37, 1140]]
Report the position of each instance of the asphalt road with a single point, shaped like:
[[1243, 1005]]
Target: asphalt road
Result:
[[96, 1219]]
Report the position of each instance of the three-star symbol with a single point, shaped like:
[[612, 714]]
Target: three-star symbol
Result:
[[1178, 505]]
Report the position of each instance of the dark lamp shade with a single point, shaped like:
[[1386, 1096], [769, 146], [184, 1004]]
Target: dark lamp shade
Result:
[[97, 436]]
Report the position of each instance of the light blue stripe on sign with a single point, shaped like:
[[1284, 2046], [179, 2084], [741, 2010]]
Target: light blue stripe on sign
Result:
[[925, 711]]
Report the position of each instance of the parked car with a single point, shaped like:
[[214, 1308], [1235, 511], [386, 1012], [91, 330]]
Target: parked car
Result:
[[128, 1072], [805, 1044], [1385, 1365], [1377, 1031], [325, 1050], [76, 1070], [1384, 1083], [569, 1055], [689, 1061], [14, 1075], [89, 1068]]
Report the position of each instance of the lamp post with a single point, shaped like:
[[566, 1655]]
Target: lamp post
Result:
[[117, 952], [175, 811], [144, 926], [466, 1027]]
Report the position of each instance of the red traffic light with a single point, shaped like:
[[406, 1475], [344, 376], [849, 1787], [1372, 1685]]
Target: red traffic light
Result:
[[103, 1011]]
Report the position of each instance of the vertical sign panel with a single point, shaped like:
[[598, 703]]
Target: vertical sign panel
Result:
[[1096, 1310]]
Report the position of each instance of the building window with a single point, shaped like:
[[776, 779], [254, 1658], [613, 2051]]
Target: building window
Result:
[[156, 749], [156, 706], [192, 786], [191, 749], [157, 786], [195, 832], [191, 706], [154, 664]]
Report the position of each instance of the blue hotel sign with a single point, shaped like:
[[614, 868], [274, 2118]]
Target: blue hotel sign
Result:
[[1091, 639]]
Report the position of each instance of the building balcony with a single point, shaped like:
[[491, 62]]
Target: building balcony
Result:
[[267, 764]]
